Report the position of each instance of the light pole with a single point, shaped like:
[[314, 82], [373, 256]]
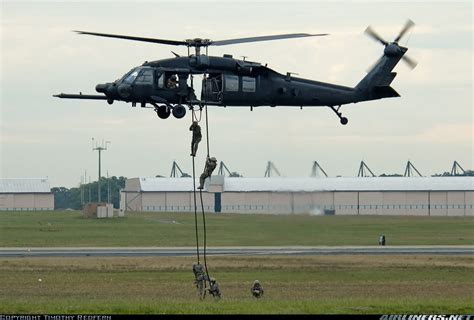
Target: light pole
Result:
[[100, 148]]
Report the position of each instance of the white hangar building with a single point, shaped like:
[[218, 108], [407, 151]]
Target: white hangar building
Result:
[[423, 196], [30, 194]]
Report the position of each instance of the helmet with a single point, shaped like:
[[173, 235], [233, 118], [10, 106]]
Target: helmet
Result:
[[213, 159], [173, 77], [256, 281], [212, 279]]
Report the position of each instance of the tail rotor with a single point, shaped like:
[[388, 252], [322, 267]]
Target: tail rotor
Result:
[[408, 25], [393, 47]]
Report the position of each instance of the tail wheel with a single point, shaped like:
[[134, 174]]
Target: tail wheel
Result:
[[342, 119], [179, 111], [163, 112]]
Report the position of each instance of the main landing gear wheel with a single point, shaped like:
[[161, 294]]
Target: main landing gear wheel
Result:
[[342, 119], [179, 111], [163, 112]]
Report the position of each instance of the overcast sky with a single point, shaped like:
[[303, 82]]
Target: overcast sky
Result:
[[41, 136]]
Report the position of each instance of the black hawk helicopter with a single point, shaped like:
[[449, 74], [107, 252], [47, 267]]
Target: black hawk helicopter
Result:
[[163, 84]]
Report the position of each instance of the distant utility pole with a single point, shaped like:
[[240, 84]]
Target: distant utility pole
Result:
[[108, 187], [100, 148], [90, 190], [85, 184], [83, 187], [82, 190]]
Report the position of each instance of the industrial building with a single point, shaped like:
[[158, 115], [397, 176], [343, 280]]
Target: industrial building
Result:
[[30, 194], [422, 196]]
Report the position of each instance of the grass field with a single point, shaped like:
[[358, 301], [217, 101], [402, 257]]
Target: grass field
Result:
[[300, 284], [293, 284], [35, 229]]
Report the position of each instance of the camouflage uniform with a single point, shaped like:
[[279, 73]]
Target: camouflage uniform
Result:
[[197, 136], [211, 164], [200, 279], [257, 289], [214, 289]]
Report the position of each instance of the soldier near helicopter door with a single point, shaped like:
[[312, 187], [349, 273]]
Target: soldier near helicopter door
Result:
[[172, 82], [197, 136]]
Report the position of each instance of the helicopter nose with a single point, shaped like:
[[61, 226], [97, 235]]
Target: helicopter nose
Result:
[[124, 90], [108, 89], [102, 88]]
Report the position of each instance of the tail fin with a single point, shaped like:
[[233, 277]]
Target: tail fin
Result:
[[376, 84]]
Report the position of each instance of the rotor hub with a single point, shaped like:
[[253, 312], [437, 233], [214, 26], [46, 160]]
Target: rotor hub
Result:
[[392, 50], [198, 42]]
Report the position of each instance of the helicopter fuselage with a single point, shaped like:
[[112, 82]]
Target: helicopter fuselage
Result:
[[227, 82]]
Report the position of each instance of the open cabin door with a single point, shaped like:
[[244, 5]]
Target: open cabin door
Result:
[[212, 88]]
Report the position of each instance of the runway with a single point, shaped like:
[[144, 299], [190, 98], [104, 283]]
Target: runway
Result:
[[230, 251]]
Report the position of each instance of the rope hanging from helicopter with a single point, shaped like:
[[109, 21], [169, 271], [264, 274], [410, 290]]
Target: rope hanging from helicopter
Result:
[[202, 203], [195, 118], [195, 210]]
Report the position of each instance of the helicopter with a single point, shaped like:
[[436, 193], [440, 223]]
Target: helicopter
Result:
[[167, 84]]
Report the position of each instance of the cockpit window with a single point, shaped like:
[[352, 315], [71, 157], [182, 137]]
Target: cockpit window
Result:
[[145, 77], [139, 75], [131, 77]]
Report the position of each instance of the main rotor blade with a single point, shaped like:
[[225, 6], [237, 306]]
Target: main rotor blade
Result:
[[265, 38], [153, 40], [407, 27], [410, 62], [375, 35]]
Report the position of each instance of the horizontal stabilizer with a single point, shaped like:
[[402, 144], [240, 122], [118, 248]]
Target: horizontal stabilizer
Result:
[[387, 79], [385, 92]]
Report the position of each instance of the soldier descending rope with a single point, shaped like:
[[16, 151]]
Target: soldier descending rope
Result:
[[214, 289], [200, 279], [201, 273], [197, 136], [211, 164], [257, 289]]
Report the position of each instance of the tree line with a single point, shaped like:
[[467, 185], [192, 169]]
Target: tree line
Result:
[[74, 198]]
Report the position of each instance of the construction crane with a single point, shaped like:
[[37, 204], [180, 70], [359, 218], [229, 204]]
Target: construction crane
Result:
[[223, 167], [316, 168], [409, 170], [362, 170], [174, 171], [455, 171], [271, 167]]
